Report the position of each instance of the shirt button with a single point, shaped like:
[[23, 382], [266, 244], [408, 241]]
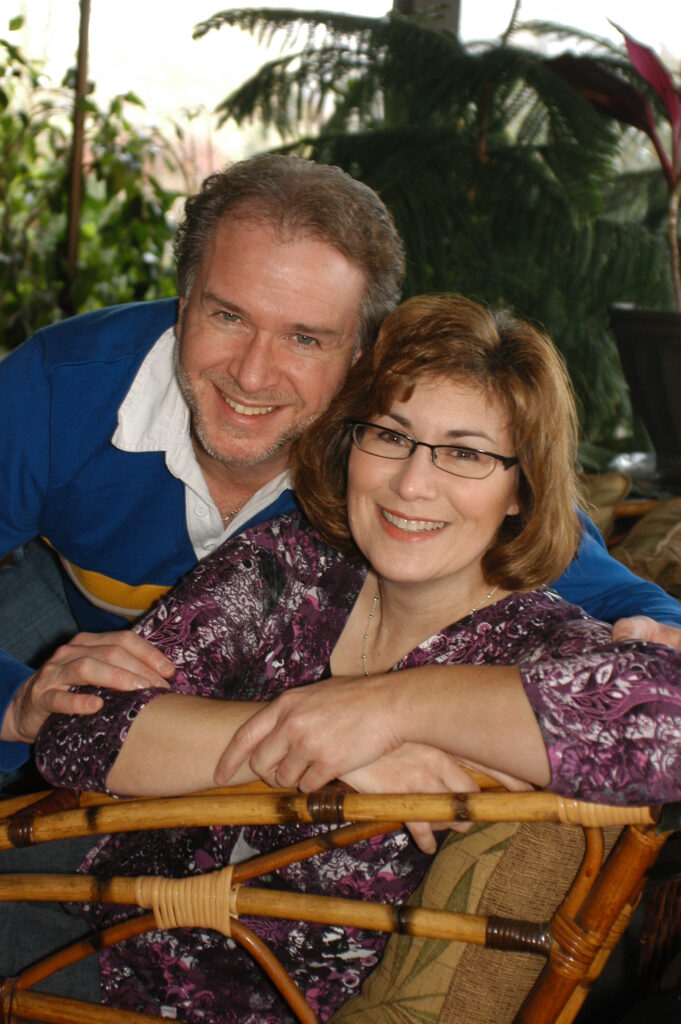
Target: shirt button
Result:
[[209, 545], [200, 510]]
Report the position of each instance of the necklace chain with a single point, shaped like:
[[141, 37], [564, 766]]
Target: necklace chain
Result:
[[484, 600], [366, 632], [228, 516], [374, 603]]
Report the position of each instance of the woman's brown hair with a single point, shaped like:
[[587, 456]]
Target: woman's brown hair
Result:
[[451, 338]]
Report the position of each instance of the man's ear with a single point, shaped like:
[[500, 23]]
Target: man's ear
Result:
[[180, 316]]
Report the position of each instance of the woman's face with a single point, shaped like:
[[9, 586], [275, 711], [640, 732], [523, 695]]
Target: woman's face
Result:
[[416, 523]]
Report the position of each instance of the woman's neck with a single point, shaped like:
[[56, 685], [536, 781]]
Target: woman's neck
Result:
[[391, 618]]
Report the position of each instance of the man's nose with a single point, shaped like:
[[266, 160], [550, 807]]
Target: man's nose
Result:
[[255, 366]]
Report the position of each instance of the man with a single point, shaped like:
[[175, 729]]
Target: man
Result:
[[137, 439]]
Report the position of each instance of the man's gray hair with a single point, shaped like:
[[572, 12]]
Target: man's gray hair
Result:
[[300, 198]]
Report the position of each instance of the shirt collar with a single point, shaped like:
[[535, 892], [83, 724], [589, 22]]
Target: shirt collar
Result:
[[153, 414]]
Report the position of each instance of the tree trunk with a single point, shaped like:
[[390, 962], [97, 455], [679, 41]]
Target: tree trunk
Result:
[[449, 14]]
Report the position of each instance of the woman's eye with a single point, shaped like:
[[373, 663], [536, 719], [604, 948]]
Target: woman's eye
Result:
[[390, 437], [463, 455]]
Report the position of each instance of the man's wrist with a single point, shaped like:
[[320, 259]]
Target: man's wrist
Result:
[[9, 729]]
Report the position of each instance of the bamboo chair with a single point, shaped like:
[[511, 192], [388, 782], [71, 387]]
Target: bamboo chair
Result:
[[575, 943]]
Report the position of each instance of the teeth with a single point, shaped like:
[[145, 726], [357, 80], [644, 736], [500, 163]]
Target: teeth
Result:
[[412, 525], [248, 410]]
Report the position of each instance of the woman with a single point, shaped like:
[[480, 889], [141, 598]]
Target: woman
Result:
[[440, 493]]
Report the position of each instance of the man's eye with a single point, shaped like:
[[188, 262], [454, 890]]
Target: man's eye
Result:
[[227, 317], [304, 339]]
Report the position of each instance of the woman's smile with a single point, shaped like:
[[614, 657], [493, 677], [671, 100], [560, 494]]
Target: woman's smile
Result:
[[409, 524]]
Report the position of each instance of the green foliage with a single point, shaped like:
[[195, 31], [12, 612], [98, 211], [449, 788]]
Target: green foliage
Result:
[[502, 178], [125, 230]]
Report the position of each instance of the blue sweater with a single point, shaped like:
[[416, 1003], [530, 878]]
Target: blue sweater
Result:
[[118, 518]]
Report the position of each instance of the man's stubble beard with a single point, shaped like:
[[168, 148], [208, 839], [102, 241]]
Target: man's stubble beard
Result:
[[201, 436]]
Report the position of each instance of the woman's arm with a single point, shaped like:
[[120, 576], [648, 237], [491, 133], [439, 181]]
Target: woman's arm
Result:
[[585, 716], [174, 744], [309, 736]]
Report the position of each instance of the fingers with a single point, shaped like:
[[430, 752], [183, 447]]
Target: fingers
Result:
[[67, 702], [641, 627], [423, 835], [243, 742], [118, 661], [125, 653]]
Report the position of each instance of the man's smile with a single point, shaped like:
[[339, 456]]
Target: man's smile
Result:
[[248, 410]]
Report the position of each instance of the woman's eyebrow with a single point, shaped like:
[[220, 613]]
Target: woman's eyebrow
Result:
[[454, 434]]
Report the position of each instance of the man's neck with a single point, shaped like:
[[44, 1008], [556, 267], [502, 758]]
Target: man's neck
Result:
[[231, 486]]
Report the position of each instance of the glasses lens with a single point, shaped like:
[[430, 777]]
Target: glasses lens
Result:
[[381, 441], [463, 462]]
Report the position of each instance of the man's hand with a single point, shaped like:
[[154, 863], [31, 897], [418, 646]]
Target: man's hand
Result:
[[308, 736], [117, 661], [640, 627]]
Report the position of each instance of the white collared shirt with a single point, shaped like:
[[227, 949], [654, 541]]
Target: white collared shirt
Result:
[[154, 417]]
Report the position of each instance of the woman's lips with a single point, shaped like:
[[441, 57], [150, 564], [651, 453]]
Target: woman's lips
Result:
[[410, 525]]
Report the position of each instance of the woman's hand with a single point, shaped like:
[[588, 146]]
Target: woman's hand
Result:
[[308, 736], [117, 661], [416, 768]]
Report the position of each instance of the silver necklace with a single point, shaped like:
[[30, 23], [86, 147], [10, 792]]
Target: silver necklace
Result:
[[484, 600], [366, 633], [374, 603]]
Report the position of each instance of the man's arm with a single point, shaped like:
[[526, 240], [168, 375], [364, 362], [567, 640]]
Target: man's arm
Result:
[[13, 754], [606, 589]]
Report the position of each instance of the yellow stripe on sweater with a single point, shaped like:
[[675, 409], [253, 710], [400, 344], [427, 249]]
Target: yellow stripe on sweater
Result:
[[112, 595]]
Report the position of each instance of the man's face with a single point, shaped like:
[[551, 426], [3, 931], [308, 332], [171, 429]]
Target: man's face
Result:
[[267, 336]]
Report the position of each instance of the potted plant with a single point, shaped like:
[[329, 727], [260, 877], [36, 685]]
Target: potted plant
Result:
[[649, 341]]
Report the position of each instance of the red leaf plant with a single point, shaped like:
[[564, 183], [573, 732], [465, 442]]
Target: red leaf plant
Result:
[[618, 98]]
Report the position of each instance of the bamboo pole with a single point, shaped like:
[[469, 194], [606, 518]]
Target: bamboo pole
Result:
[[255, 902], [577, 942], [325, 806], [35, 1006]]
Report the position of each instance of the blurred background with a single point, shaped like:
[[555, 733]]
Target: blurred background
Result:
[[508, 183]]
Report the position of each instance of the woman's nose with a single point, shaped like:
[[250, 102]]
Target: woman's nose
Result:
[[417, 476]]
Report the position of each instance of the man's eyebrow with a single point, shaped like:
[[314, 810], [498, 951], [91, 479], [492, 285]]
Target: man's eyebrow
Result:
[[294, 328], [453, 434], [219, 300]]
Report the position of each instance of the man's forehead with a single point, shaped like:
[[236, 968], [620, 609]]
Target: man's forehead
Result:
[[283, 230]]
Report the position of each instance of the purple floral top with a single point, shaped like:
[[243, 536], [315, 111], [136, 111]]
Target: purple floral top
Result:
[[263, 614]]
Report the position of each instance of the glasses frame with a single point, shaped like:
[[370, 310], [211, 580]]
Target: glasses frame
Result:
[[507, 461]]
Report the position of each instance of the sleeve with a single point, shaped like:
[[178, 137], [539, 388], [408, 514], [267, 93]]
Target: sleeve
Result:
[[12, 675], [608, 590], [25, 440], [610, 714], [209, 626], [24, 443]]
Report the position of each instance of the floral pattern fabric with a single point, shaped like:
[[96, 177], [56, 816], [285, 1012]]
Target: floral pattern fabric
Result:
[[263, 614]]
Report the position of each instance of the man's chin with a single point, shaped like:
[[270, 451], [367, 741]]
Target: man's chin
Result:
[[248, 456]]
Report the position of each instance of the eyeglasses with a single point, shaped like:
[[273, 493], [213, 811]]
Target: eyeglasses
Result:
[[451, 458]]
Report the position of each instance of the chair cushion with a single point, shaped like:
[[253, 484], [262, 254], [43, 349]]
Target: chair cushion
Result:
[[602, 493], [652, 548], [520, 871]]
